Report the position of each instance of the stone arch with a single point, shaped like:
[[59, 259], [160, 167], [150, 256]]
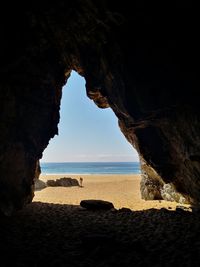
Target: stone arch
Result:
[[132, 60]]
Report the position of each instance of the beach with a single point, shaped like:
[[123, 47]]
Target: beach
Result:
[[122, 190], [54, 230]]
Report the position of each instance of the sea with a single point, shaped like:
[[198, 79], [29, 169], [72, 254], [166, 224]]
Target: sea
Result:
[[90, 168]]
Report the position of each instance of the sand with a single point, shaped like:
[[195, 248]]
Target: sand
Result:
[[121, 190], [61, 233]]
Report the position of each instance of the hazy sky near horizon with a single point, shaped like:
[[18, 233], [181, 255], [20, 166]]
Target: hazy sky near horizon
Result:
[[86, 132]]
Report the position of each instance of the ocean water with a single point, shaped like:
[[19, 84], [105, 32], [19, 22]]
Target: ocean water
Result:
[[90, 168]]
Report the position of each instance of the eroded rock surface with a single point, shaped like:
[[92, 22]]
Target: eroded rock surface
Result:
[[151, 183], [142, 63], [152, 186]]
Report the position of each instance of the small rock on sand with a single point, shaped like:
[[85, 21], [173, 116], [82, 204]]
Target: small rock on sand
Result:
[[126, 210], [93, 204]]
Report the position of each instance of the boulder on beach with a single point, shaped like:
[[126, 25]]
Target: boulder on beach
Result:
[[93, 204], [65, 182], [51, 183], [39, 185]]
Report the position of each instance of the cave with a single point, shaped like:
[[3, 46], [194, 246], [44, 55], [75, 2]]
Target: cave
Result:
[[140, 62], [140, 59]]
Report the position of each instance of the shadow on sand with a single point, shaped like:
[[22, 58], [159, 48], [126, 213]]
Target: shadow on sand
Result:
[[64, 235]]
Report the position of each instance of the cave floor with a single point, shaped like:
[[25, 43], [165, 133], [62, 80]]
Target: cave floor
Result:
[[46, 234]]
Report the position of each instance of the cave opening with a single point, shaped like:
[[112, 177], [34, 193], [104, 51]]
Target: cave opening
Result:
[[89, 145]]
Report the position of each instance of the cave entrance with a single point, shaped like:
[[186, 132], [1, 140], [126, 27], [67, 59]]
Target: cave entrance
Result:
[[89, 142]]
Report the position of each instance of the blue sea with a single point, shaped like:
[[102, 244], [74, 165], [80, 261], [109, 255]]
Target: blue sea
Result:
[[90, 168]]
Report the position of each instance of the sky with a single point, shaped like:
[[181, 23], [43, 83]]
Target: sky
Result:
[[86, 132]]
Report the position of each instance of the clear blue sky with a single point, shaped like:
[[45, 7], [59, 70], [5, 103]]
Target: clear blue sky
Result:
[[86, 132]]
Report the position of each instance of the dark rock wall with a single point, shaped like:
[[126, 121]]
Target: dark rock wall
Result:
[[141, 61], [30, 92]]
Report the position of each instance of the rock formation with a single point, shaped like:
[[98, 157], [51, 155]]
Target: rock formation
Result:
[[151, 183], [152, 186], [65, 181], [39, 185], [142, 61]]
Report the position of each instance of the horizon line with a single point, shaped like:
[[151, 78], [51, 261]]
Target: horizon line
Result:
[[88, 161]]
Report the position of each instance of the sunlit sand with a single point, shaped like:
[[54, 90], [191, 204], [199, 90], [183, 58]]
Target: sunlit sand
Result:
[[121, 190]]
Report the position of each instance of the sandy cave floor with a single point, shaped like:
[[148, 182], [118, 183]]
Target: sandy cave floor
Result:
[[46, 234], [55, 234]]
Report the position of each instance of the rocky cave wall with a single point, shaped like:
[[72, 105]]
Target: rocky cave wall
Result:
[[140, 60]]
